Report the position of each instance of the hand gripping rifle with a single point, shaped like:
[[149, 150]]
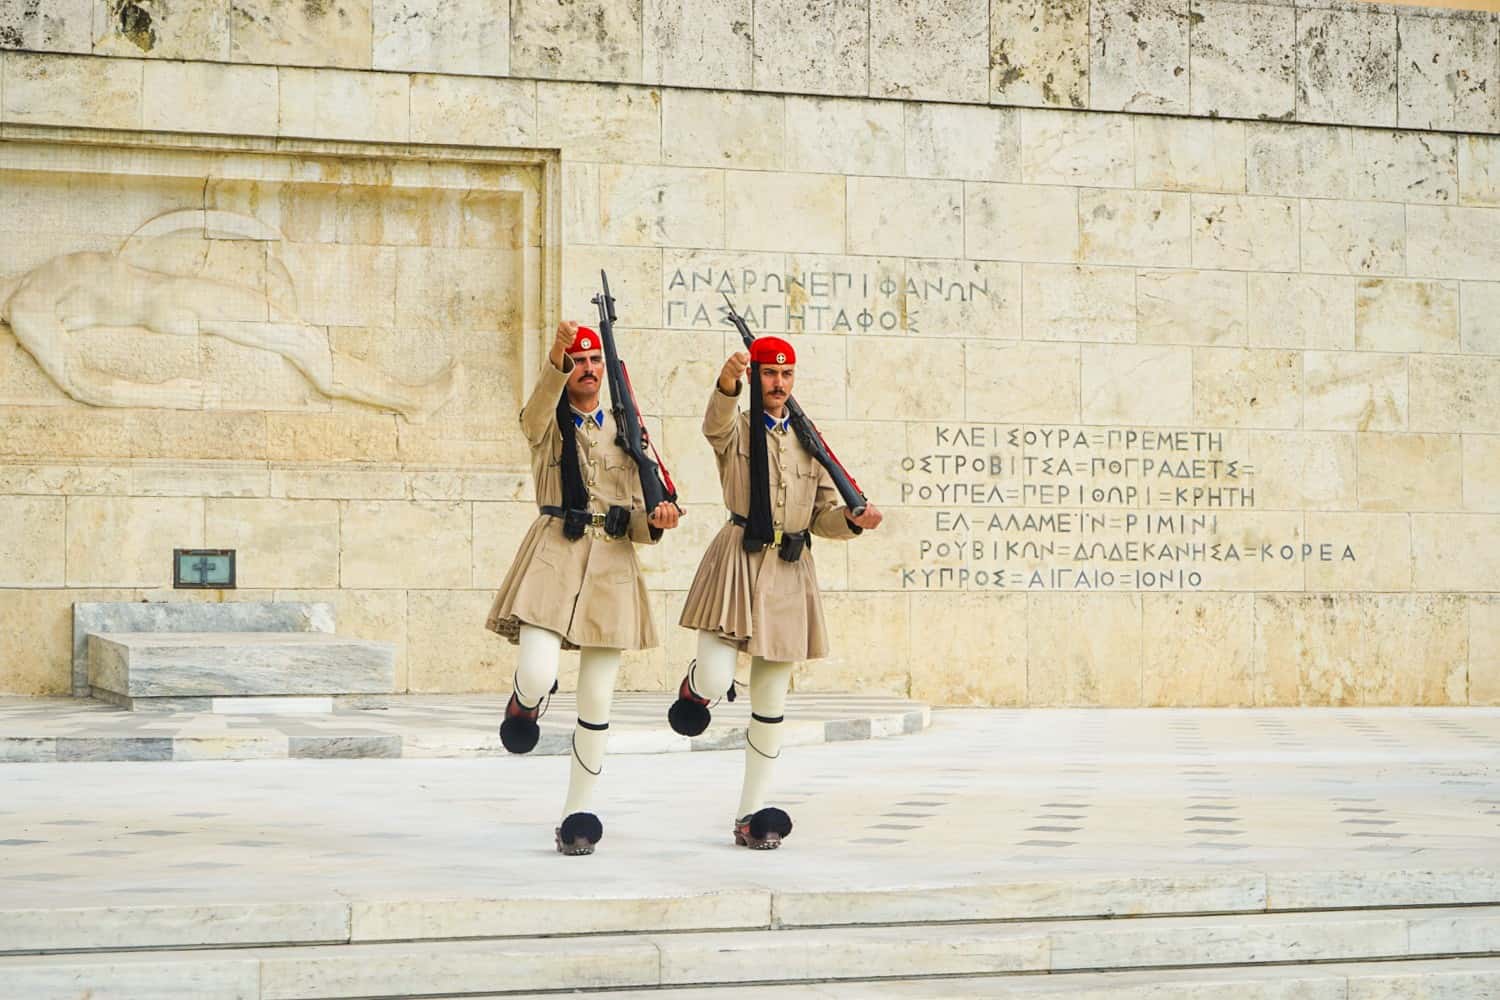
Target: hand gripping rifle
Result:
[[630, 430], [807, 433]]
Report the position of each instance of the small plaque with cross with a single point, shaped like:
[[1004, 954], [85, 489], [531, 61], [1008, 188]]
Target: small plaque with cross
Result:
[[203, 569]]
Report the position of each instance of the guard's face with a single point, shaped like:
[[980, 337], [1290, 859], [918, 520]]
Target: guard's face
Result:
[[587, 374], [776, 384]]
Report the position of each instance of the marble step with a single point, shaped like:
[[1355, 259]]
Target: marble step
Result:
[[137, 667], [635, 961]]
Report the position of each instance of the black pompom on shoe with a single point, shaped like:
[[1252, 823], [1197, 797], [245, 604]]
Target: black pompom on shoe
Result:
[[519, 731], [762, 830], [689, 714], [578, 834]]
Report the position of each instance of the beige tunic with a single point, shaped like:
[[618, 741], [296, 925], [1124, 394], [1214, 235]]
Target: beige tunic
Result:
[[770, 607], [588, 591]]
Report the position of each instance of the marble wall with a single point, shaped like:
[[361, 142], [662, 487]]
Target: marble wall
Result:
[[1254, 246]]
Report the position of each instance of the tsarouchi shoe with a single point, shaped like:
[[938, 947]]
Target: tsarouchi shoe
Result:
[[762, 830], [578, 834], [689, 714], [519, 731]]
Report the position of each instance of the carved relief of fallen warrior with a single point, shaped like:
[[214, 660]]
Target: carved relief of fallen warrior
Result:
[[90, 289]]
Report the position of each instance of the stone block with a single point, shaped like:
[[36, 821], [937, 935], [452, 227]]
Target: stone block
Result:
[[930, 50], [920, 218], [1346, 66], [1354, 237], [1304, 470], [128, 541], [963, 143], [146, 665], [1354, 392], [589, 40], [1083, 649], [71, 90], [710, 128], [1244, 233], [1455, 394], [812, 50], [442, 36], [1479, 312], [1145, 228], [1481, 473], [1269, 543], [600, 122], [1186, 154], [1039, 53], [765, 210], [1407, 316], [699, 43], [1244, 60], [65, 480], [944, 626], [306, 482], [281, 33], [448, 647], [441, 288], [1026, 222], [474, 111], [1130, 384], [1066, 147], [1023, 382], [1452, 242], [1197, 649], [1404, 166], [1305, 161], [690, 281], [970, 299], [1139, 56], [1191, 307], [1479, 170], [498, 530], [36, 648], [63, 26], [386, 544], [636, 280], [1355, 552], [364, 614], [1238, 387], [867, 635], [280, 543], [1066, 303], [662, 206], [1315, 311], [1447, 72], [1455, 552], [845, 137], [32, 548], [910, 377], [1484, 650], [339, 104], [198, 29]]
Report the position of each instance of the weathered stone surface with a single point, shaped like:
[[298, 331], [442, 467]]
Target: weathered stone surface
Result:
[[364, 614], [1452, 242], [1241, 232], [708, 128], [1481, 473], [1209, 660], [210, 97], [198, 29], [1416, 316], [1126, 384], [1309, 161], [1354, 237], [1024, 382], [1026, 222], [1243, 60], [1479, 170], [1378, 556], [338, 104], [1346, 66], [1078, 303], [867, 635], [442, 36], [1184, 154], [1348, 391], [71, 90], [1457, 552], [1139, 55], [844, 137], [197, 664], [473, 111], [1404, 166], [32, 545], [60, 26], [280, 543], [587, 40], [1484, 650], [600, 122], [662, 206], [395, 544], [1304, 470], [498, 530], [1148, 228], [290, 33], [448, 647], [905, 376], [930, 50], [1448, 72], [1083, 649], [1065, 147], [896, 216], [809, 214], [128, 541], [1039, 52], [1191, 307], [1455, 394], [1479, 312], [820, 48], [987, 303], [963, 143], [699, 43], [1411, 472], [1302, 310], [945, 625], [1237, 387]]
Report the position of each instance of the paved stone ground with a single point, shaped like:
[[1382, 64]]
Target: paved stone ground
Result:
[[76, 729], [981, 796]]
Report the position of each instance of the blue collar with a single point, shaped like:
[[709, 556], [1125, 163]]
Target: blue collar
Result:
[[597, 417], [772, 424]]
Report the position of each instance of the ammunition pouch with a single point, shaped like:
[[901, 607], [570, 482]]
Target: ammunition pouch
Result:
[[617, 522]]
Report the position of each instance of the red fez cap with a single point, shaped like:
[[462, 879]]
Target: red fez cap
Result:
[[772, 351], [584, 340]]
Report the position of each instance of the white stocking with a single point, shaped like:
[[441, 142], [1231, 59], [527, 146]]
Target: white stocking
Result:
[[597, 668], [715, 668], [768, 683], [537, 671]]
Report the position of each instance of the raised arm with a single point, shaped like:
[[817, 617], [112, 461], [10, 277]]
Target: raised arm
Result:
[[719, 423], [541, 407]]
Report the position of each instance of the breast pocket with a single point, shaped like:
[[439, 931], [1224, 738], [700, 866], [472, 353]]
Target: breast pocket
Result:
[[618, 480]]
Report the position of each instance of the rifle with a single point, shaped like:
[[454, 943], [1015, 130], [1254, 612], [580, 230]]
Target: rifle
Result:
[[630, 431], [807, 432]]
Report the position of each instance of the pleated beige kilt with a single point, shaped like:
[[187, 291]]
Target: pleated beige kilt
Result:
[[769, 607]]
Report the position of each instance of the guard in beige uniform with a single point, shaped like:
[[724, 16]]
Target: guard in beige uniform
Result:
[[760, 594], [575, 582]]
